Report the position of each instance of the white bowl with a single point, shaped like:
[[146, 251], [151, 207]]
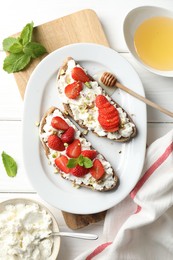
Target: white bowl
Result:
[[56, 239], [133, 19]]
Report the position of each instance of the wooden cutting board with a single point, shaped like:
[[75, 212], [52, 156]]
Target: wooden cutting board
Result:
[[82, 26]]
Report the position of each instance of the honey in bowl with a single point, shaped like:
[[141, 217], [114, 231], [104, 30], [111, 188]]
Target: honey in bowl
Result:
[[153, 42]]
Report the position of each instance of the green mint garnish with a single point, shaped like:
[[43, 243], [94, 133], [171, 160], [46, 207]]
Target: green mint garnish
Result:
[[81, 160], [9, 164], [21, 50], [72, 163]]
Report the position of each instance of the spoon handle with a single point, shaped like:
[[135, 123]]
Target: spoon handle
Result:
[[75, 235], [145, 100]]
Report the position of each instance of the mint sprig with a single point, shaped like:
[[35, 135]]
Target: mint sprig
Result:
[[21, 50], [81, 160], [9, 164]]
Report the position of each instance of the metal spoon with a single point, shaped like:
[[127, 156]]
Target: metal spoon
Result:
[[69, 234]]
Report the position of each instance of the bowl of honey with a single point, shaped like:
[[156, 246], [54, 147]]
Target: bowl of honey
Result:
[[148, 32]]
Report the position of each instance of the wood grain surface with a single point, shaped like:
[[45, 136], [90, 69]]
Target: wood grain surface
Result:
[[82, 26]]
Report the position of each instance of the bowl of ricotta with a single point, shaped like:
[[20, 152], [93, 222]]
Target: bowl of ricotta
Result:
[[21, 223]]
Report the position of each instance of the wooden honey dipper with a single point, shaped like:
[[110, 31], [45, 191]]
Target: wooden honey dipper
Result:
[[109, 80]]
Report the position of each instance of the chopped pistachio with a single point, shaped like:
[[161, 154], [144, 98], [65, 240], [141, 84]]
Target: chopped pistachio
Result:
[[62, 72], [85, 132], [37, 123], [90, 117], [88, 85], [56, 154], [56, 170], [68, 80]]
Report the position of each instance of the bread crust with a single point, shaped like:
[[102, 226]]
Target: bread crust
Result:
[[47, 152], [79, 122]]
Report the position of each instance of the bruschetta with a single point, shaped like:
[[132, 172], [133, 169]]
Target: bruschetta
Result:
[[90, 106], [72, 155]]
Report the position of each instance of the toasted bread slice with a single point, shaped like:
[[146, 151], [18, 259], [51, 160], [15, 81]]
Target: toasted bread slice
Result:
[[84, 111], [108, 181]]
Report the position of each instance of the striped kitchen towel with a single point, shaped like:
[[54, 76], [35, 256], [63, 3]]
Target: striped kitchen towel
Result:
[[141, 226]]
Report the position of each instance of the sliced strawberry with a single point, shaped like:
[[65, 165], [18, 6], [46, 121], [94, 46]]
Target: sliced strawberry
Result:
[[74, 149], [55, 143], [110, 129], [109, 122], [97, 170], [79, 171], [61, 163], [59, 123], [110, 115], [68, 135], [89, 153], [79, 74], [73, 90], [100, 101], [107, 110]]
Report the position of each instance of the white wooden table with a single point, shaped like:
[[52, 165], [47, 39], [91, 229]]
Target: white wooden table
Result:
[[13, 16]]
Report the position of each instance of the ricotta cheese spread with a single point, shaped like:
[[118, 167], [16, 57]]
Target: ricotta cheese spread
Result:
[[106, 182], [84, 110], [20, 226]]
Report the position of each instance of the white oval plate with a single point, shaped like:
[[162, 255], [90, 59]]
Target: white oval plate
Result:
[[127, 159], [133, 19]]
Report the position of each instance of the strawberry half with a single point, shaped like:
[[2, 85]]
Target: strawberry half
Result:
[[59, 123], [97, 170], [89, 153], [61, 163], [73, 90], [79, 171], [55, 143], [79, 74], [74, 149], [68, 135]]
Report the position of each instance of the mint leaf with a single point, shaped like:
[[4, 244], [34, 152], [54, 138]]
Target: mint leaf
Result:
[[9, 164], [26, 34], [8, 42], [34, 49], [72, 163], [80, 160], [16, 48], [16, 62], [21, 50], [87, 162]]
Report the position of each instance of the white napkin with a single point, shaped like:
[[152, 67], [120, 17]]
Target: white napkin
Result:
[[141, 226]]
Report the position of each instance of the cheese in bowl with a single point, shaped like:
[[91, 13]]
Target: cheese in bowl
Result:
[[21, 223]]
